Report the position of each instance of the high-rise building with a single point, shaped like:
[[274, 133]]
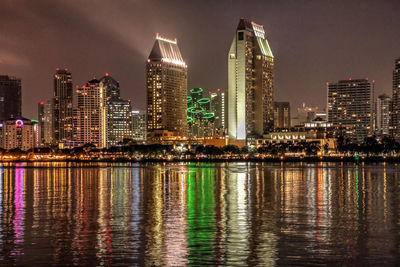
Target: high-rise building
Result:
[[281, 115], [200, 117], [10, 97], [139, 125], [45, 117], [351, 106], [19, 133], [250, 82], [218, 107], [62, 106], [166, 81], [383, 103], [395, 113], [91, 125], [118, 112]]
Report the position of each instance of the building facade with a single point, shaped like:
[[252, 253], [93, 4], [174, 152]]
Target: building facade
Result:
[[218, 107], [19, 133], [250, 82], [91, 124], [139, 125], [395, 112], [281, 115], [200, 117], [62, 106], [383, 104], [45, 117], [166, 82], [10, 97], [350, 105], [118, 112]]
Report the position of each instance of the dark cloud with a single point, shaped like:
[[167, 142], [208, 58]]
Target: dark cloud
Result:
[[313, 42]]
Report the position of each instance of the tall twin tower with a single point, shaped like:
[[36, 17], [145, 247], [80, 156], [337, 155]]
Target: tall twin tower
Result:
[[250, 86]]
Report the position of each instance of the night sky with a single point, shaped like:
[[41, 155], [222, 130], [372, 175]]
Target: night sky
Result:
[[313, 42]]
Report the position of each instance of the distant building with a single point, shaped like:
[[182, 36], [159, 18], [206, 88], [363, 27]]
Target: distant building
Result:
[[139, 125], [281, 115], [305, 114], [166, 80], [19, 133], [10, 97], [62, 106], [395, 113], [250, 82], [45, 117], [383, 104], [351, 105], [218, 107], [118, 112], [91, 126], [200, 117]]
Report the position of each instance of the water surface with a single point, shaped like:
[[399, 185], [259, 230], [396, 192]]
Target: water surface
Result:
[[199, 213]]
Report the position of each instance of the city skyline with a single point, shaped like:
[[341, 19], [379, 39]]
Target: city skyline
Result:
[[313, 42]]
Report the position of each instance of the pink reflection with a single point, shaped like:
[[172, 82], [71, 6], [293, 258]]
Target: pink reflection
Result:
[[19, 208]]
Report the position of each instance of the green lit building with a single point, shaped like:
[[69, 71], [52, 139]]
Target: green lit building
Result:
[[200, 118]]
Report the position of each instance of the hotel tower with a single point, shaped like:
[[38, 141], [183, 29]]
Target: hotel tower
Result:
[[250, 83], [166, 80]]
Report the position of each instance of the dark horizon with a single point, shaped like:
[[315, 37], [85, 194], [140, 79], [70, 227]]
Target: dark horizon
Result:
[[313, 42]]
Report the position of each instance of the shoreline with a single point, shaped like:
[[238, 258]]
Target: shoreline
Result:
[[312, 159]]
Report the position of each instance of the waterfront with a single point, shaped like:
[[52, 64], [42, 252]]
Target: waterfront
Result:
[[177, 214]]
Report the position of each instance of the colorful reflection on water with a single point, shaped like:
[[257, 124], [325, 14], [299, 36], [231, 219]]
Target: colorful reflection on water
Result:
[[199, 213]]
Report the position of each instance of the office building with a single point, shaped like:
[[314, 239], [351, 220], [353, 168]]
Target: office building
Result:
[[118, 112], [139, 125], [383, 103], [166, 81], [199, 115], [10, 97], [250, 83], [281, 115], [91, 124], [218, 107], [45, 118], [19, 133], [351, 105], [395, 113], [62, 106]]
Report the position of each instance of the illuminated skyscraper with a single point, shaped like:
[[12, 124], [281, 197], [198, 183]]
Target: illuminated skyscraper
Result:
[[218, 107], [383, 103], [250, 82], [91, 124], [351, 105], [166, 81], [395, 113], [45, 117], [200, 118], [118, 112], [282, 115], [10, 97], [139, 125], [62, 105]]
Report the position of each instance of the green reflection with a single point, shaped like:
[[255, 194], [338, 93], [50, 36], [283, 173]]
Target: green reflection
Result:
[[201, 208]]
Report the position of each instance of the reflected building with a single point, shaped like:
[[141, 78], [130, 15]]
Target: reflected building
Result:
[[250, 82], [166, 82]]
